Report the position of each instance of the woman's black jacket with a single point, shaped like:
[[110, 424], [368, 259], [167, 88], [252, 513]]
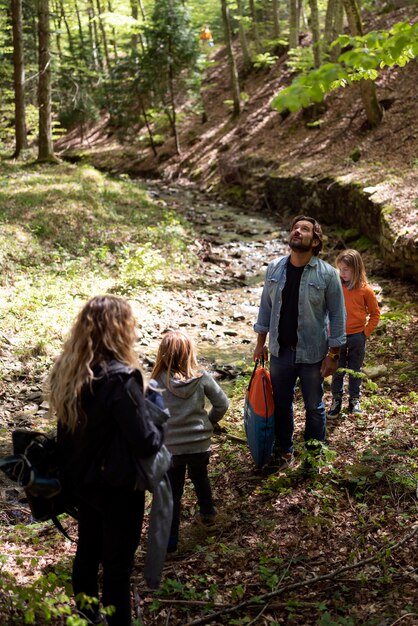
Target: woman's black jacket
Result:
[[112, 431]]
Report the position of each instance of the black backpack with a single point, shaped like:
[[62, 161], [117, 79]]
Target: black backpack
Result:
[[34, 466]]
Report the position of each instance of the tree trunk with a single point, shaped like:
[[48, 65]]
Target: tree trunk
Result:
[[173, 109], [374, 111], [94, 37], [276, 19], [301, 16], [141, 6], [352, 11], [243, 36], [134, 37], [231, 60], [103, 33], [19, 78], [337, 30], [333, 27], [68, 29], [316, 33], [45, 148], [329, 21], [293, 24], [115, 48], [147, 124], [80, 32], [256, 34]]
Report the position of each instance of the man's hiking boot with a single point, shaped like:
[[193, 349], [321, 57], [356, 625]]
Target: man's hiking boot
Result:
[[354, 406], [281, 460], [286, 459], [335, 409]]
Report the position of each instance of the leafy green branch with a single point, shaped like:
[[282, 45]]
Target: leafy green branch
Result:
[[364, 56]]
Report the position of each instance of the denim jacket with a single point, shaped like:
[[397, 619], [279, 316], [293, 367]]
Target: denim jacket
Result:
[[321, 319]]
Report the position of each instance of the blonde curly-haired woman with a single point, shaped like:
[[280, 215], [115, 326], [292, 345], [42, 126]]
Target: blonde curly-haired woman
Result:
[[96, 391]]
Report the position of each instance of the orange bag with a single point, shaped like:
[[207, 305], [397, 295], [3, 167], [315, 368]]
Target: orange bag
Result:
[[259, 415]]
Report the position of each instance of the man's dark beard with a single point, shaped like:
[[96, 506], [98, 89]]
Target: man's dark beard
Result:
[[299, 246]]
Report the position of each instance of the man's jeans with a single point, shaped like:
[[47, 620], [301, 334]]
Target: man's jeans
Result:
[[284, 373], [351, 357]]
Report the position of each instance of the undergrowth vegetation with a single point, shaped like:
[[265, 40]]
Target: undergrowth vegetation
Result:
[[335, 548]]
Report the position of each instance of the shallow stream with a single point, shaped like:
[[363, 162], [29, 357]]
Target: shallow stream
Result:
[[219, 306]]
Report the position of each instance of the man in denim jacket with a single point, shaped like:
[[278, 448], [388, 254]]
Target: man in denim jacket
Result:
[[302, 310]]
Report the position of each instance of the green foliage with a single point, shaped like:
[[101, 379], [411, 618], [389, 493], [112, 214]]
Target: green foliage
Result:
[[280, 484], [368, 55], [44, 601], [300, 59], [355, 155], [171, 44], [198, 588], [327, 619], [379, 49], [317, 455], [264, 61], [309, 88]]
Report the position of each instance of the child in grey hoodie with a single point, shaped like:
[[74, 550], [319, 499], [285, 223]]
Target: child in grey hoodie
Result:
[[190, 425]]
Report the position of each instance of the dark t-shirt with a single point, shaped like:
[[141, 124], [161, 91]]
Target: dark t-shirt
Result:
[[289, 312]]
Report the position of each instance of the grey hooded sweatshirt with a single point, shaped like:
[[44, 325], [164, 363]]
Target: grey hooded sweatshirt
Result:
[[190, 425]]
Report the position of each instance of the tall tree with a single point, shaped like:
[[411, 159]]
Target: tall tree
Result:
[[19, 78], [255, 29], [171, 55], [316, 32], [374, 111], [236, 100], [136, 35], [276, 19], [45, 147], [293, 24], [94, 37], [243, 35], [333, 27], [83, 52], [103, 33], [68, 30]]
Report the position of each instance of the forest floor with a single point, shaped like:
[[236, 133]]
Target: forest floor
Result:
[[336, 548]]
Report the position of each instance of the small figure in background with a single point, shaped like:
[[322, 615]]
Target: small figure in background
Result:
[[363, 315], [205, 36], [190, 425]]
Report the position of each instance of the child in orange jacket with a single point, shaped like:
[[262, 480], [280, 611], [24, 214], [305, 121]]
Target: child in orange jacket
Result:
[[363, 315]]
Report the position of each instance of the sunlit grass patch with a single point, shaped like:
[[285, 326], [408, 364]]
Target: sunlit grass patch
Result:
[[68, 233]]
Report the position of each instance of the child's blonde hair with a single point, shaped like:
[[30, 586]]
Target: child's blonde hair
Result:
[[176, 356], [353, 260]]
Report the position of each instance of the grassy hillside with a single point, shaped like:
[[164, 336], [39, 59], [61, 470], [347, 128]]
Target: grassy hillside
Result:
[[67, 233]]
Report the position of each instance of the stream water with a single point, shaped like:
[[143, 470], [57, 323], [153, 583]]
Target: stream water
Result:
[[220, 307]]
